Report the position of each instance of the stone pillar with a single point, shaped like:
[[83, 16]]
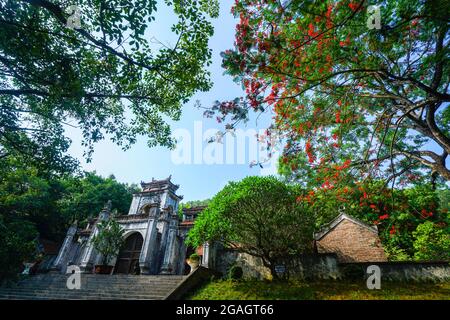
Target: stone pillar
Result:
[[205, 260], [61, 259], [135, 204], [90, 256], [181, 255], [165, 221], [168, 265], [149, 246]]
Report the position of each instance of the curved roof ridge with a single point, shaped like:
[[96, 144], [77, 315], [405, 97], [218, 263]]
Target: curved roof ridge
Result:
[[336, 221]]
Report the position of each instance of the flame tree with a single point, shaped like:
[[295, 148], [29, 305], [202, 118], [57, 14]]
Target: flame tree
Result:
[[353, 102]]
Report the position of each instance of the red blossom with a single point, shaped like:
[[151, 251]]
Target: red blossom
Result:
[[338, 116], [393, 230], [384, 217], [308, 149]]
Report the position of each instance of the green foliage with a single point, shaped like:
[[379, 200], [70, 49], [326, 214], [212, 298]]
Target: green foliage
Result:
[[431, 242], [259, 216], [444, 199], [191, 204], [396, 213], [108, 240], [235, 273], [194, 257], [26, 195], [108, 76], [84, 196], [394, 253], [17, 239]]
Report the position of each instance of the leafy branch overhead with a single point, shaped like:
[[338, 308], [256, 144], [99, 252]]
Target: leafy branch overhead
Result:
[[347, 98], [258, 216], [106, 76]]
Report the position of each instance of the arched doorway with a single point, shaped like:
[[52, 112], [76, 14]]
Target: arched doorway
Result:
[[128, 259], [187, 268]]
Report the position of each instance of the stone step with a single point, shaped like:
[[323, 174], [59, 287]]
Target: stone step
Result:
[[93, 291], [118, 276], [62, 284], [80, 292], [112, 281], [104, 277], [53, 286], [95, 281], [100, 286], [59, 296], [106, 290], [79, 297]]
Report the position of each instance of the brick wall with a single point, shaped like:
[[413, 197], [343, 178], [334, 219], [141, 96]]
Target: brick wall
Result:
[[352, 243]]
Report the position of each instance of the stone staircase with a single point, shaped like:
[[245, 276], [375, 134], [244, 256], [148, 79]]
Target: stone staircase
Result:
[[93, 287]]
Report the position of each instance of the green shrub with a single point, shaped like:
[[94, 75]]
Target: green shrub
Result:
[[431, 242], [394, 253], [108, 240], [194, 257]]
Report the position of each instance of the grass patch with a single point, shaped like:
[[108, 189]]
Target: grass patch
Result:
[[326, 290]]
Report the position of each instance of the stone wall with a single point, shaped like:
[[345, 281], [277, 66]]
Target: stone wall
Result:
[[318, 266], [364, 246], [315, 267], [252, 267], [327, 266], [400, 271]]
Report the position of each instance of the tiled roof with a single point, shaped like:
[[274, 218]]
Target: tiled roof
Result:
[[156, 185], [341, 217], [193, 211]]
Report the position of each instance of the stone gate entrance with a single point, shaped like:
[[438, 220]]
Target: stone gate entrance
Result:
[[128, 259]]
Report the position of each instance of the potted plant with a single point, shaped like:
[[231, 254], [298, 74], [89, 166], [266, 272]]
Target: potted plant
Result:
[[193, 261], [107, 242]]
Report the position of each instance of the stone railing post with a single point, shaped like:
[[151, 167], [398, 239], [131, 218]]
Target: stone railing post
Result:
[[168, 265], [61, 259], [149, 246]]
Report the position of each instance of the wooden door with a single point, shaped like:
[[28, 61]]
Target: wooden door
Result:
[[128, 258]]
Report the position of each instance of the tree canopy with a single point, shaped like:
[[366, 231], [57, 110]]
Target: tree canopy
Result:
[[349, 100], [91, 65], [258, 216]]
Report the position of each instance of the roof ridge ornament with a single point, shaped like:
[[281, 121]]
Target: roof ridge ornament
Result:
[[108, 206]]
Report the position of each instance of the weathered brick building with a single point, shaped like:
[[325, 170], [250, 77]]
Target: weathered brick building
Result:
[[351, 239]]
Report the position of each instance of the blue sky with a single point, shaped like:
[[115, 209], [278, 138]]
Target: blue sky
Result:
[[197, 181]]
